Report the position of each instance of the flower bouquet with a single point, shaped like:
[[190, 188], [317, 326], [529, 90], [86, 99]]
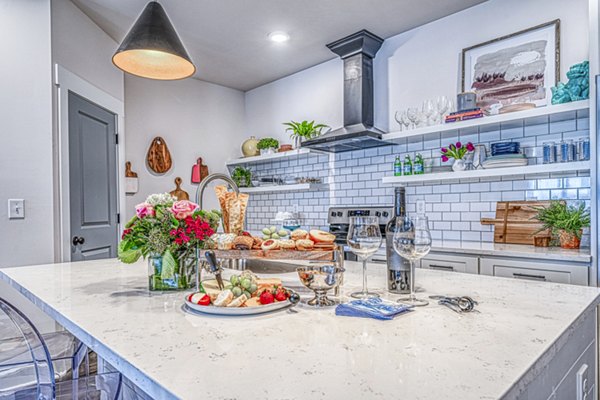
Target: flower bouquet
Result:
[[457, 152], [167, 232]]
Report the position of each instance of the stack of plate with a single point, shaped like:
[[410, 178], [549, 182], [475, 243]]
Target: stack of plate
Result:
[[502, 148], [506, 160]]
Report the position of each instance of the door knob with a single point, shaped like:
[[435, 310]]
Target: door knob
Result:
[[78, 240]]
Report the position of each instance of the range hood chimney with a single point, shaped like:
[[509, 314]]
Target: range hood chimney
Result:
[[358, 132]]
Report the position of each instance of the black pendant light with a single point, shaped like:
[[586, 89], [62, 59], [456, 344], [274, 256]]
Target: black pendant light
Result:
[[152, 49]]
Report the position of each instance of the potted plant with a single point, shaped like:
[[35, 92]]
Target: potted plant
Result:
[[458, 152], [304, 130], [267, 145], [167, 232], [242, 176], [565, 221]]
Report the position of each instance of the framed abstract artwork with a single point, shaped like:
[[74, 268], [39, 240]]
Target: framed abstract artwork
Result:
[[514, 72]]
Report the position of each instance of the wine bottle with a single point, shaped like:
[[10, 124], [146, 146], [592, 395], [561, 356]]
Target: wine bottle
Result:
[[398, 267]]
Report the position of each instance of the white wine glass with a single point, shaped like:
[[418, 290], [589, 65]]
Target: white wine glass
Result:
[[364, 239], [443, 105], [412, 240], [398, 117], [413, 116], [428, 110]]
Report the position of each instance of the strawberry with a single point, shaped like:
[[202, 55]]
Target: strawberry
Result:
[[281, 294], [245, 233], [266, 297], [204, 301]]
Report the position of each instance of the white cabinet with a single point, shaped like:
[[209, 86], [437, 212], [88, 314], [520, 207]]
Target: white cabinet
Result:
[[537, 270], [451, 263]]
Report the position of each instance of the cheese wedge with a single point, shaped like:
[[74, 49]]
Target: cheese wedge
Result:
[[224, 298], [252, 302], [238, 301]]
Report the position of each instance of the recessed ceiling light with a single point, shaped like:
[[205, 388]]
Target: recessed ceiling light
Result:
[[279, 37]]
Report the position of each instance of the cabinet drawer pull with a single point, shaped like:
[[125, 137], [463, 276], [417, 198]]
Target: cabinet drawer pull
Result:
[[529, 276], [379, 260], [444, 267]]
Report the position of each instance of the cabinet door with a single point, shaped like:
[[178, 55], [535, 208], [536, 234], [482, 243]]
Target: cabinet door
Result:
[[537, 270], [451, 263]]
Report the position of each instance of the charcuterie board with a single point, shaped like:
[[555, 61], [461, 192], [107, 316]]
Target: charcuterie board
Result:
[[309, 255]]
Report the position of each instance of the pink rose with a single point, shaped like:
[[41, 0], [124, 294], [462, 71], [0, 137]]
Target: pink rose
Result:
[[183, 208], [143, 210]]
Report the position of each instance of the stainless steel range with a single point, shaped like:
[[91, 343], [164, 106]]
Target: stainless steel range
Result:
[[339, 221]]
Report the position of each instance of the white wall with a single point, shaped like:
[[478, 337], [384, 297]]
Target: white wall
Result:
[[26, 162], [79, 45], [413, 66], [195, 118]]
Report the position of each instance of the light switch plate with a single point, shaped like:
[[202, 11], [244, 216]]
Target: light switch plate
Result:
[[420, 206], [16, 208]]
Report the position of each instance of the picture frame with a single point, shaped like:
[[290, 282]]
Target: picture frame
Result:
[[514, 71]]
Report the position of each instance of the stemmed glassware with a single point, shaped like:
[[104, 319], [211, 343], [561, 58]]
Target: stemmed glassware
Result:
[[364, 239], [412, 240], [428, 110], [399, 117], [413, 115], [443, 106]]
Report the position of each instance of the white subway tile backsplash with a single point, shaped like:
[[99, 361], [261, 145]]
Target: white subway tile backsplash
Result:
[[454, 207]]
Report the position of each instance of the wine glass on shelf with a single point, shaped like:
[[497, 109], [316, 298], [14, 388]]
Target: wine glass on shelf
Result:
[[413, 115], [364, 239], [412, 240], [428, 111], [405, 119], [443, 105], [398, 117]]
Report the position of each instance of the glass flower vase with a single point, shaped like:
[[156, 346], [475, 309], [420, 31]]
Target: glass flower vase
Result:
[[183, 277]]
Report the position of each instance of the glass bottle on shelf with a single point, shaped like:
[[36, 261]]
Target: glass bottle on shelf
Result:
[[397, 167], [407, 168], [418, 165]]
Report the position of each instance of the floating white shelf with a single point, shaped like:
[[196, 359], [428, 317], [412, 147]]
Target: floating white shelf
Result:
[[536, 115], [287, 155], [285, 188], [488, 173]]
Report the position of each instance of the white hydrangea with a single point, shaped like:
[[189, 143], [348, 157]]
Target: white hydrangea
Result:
[[160, 198]]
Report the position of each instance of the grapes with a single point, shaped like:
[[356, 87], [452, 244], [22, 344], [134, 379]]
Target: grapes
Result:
[[237, 291], [253, 288], [246, 283], [267, 231], [234, 280]]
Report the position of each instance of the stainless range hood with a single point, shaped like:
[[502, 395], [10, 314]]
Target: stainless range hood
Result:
[[358, 132]]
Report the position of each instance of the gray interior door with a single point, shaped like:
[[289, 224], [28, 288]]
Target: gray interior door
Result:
[[92, 180]]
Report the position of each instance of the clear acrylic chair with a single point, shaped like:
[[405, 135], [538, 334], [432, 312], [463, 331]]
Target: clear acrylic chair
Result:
[[46, 367]]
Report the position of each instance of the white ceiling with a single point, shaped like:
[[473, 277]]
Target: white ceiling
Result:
[[227, 39]]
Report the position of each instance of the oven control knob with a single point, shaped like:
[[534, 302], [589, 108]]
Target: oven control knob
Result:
[[385, 214], [339, 214], [333, 213], [377, 214]]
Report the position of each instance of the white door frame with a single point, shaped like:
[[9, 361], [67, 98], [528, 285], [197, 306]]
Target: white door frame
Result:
[[65, 82]]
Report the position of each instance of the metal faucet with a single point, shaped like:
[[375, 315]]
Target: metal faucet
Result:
[[199, 194], [210, 178]]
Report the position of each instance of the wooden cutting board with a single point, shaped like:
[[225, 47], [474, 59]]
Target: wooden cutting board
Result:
[[158, 157], [515, 221]]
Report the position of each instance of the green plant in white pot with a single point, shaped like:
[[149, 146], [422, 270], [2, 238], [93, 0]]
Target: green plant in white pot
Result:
[[304, 130], [268, 145]]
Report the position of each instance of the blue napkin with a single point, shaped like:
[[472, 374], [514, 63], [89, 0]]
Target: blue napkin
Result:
[[371, 308]]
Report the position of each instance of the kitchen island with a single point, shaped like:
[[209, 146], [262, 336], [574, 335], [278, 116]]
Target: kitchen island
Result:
[[527, 342]]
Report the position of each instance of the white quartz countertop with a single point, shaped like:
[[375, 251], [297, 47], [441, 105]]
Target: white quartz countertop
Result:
[[305, 353], [512, 250]]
